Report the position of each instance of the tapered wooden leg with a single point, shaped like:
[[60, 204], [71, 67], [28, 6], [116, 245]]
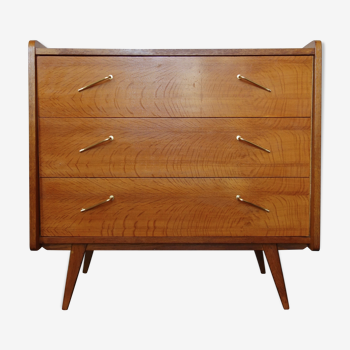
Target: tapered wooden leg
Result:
[[87, 260], [260, 257], [273, 258], [75, 260]]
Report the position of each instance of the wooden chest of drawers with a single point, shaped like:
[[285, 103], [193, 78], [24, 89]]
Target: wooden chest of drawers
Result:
[[175, 149]]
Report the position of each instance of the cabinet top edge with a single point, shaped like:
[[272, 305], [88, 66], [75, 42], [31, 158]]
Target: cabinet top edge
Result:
[[40, 51]]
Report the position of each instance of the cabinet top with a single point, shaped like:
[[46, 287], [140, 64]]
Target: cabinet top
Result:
[[41, 50]]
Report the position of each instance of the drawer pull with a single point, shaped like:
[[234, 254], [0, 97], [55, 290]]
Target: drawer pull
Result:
[[110, 77], [109, 138], [240, 138], [94, 206], [238, 197], [241, 77]]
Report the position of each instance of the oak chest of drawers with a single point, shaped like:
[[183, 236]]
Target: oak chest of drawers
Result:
[[175, 149]]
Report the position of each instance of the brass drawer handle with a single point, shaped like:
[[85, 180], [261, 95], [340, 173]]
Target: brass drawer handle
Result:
[[241, 77], [240, 138], [109, 138], [94, 206], [110, 77], [238, 197]]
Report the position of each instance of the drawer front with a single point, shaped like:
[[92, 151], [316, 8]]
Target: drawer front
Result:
[[170, 147], [175, 207], [174, 86]]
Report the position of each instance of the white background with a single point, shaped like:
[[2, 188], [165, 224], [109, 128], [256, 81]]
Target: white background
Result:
[[174, 300]]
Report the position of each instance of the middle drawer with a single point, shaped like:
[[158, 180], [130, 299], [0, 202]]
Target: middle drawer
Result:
[[169, 147]]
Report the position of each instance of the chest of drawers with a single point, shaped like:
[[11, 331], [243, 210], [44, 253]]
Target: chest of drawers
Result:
[[175, 149]]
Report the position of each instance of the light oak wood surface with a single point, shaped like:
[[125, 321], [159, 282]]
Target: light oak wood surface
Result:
[[174, 147], [175, 207], [174, 86]]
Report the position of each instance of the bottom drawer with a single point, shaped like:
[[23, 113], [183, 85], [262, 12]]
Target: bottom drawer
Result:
[[146, 207]]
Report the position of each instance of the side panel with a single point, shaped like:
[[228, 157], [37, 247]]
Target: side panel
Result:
[[315, 181], [34, 217]]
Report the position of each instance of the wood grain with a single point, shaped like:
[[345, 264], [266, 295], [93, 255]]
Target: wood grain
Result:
[[260, 258], [75, 260], [34, 208], [174, 147], [315, 183], [273, 258], [175, 207], [175, 86], [176, 52]]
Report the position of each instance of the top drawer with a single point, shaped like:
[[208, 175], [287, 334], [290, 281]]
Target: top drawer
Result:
[[174, 86]]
